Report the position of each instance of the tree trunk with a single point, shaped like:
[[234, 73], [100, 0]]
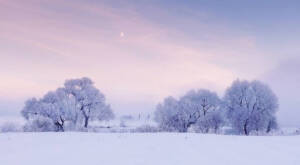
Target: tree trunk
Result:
[[245, 128], [189, 124], [62, 124], [86, 122], [269, 127], [206, 130], [216, 129], [60, 127]]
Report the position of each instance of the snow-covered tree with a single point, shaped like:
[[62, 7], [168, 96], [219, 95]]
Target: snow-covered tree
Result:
[[32, 108], [56, 106], [251, 106], [79, 101], [89, 101], [59, 107], [40, 124], [169, 116], [201, 105], [211, 122]]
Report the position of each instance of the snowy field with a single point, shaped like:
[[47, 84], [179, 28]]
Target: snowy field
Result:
[[146, 149]]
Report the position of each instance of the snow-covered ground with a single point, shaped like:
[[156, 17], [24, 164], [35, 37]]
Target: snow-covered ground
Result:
[[146, 149]]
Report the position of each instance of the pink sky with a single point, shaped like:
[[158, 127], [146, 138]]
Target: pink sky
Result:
[[134, 60]]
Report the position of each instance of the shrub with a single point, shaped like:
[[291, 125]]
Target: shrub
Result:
[[40, 124], [146, 128], [10, 127]]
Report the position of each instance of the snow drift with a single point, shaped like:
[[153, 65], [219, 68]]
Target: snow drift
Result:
[[146, 149]]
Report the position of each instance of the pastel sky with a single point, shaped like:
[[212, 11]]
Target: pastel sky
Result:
[[139, 51]]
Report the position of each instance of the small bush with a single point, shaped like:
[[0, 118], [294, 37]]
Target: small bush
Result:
[[146, 128], [10, 127], [40, 124]]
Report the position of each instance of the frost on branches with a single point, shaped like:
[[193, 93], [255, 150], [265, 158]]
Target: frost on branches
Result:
[[248, 107], [251, 106], [200, 108], [77, 103]]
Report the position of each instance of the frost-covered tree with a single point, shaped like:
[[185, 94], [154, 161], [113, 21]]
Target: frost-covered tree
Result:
[[188, 110], [32, 108], [59, 107], [202, 101], [169, 115], [251, 106], [56, 106], [90, 102], [211, 122], [204, 110], [79, 101], [40, 124]]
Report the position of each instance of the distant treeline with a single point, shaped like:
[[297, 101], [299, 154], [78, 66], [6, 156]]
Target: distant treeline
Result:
[[246, 107]]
